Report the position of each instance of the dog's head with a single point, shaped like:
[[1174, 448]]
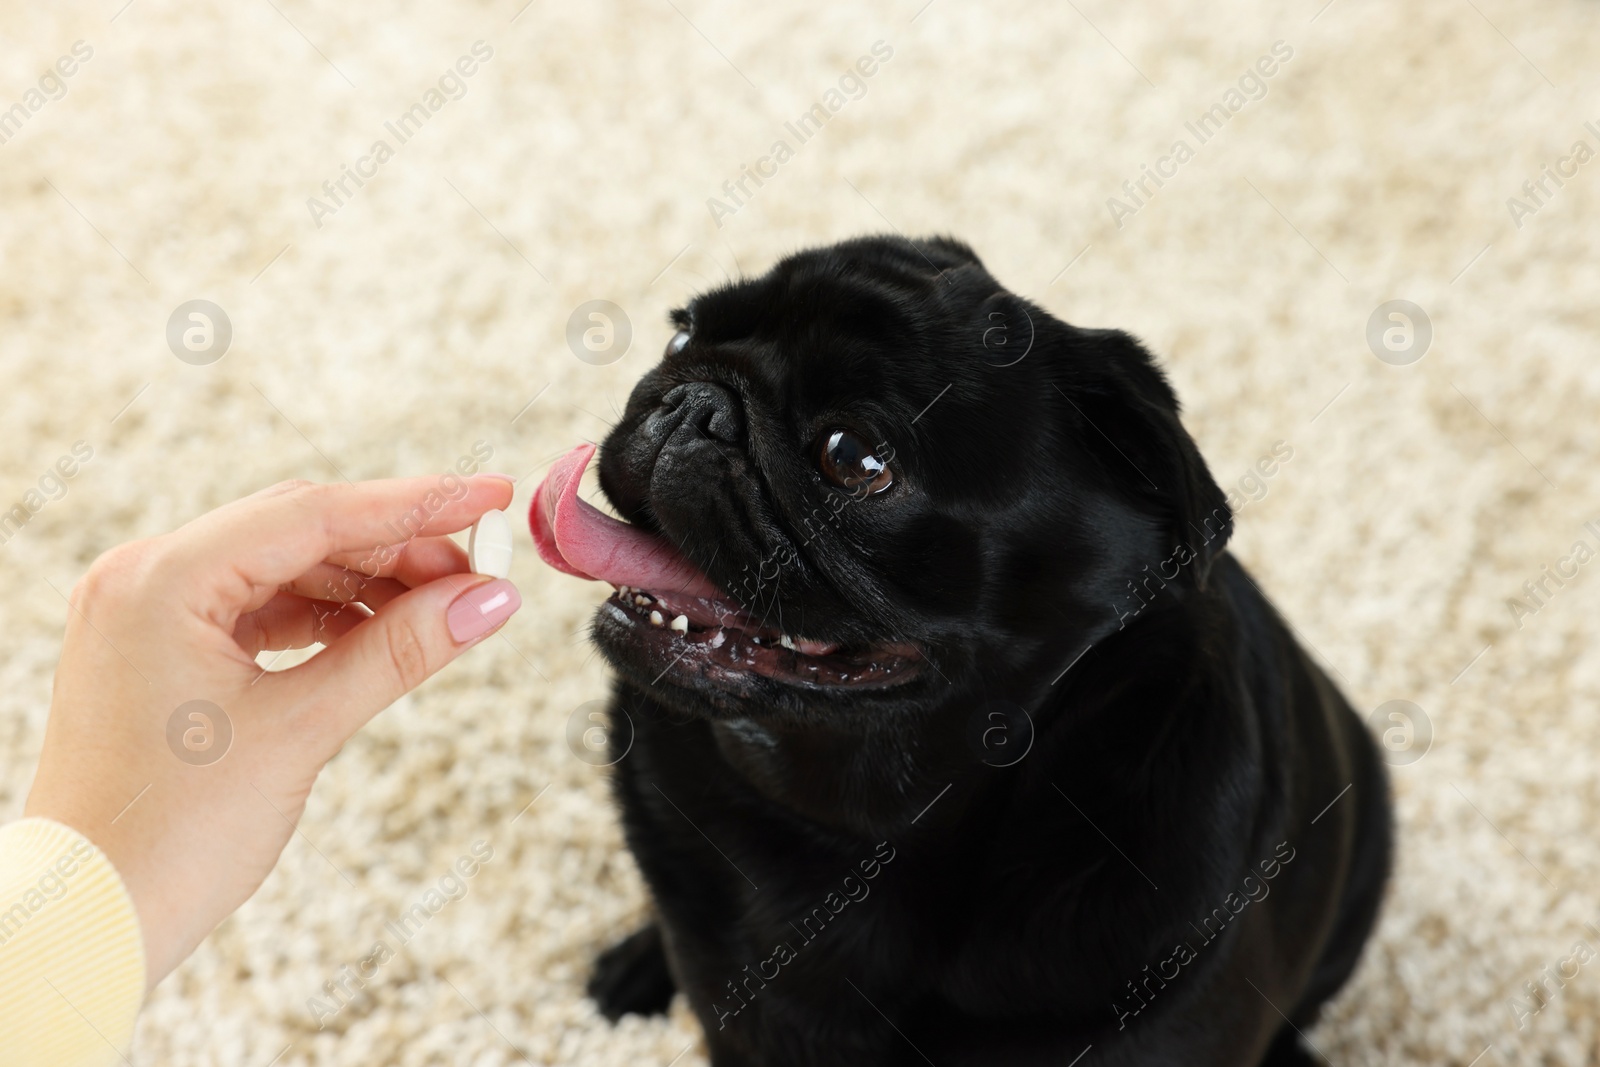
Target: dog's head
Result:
[[873, 479]]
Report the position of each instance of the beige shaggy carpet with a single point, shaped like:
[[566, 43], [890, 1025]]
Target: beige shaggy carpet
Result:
[[392, 327]]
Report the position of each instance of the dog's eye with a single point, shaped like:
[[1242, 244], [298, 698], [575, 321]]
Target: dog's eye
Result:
[[849, 462], [675, 345]]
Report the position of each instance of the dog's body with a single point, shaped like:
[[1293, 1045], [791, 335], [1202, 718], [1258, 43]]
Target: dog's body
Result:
[[863, 851]]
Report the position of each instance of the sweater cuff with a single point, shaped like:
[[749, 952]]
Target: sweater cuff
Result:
[[71, 954]]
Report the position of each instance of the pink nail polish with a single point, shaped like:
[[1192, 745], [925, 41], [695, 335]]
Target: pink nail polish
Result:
[[480, 609]]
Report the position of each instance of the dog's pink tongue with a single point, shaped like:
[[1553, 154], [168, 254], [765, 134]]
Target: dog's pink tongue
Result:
[[577, 538]]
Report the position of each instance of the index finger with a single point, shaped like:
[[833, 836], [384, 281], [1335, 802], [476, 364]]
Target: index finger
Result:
[[279, 533]]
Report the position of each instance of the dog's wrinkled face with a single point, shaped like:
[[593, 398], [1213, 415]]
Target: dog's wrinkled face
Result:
[[906, 485]]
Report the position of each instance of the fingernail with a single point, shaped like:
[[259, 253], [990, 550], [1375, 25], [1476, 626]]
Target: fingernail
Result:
[[502, 477], [482, 608]]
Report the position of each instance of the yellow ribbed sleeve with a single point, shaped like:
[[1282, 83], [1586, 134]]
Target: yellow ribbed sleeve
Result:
[[71, 957]]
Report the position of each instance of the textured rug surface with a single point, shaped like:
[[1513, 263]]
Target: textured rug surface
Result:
[[1425, 153]]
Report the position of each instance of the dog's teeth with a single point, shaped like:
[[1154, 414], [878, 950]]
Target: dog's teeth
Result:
[[787, 642], [717, 639], [681, 624], [622, 591], [757, 640], [656, 619], [641, 601]]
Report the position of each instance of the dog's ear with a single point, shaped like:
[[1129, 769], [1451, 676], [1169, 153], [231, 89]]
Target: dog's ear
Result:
[[1128, 412], [948, 252]]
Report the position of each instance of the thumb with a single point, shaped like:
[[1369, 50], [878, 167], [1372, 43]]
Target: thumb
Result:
[[409, 639]]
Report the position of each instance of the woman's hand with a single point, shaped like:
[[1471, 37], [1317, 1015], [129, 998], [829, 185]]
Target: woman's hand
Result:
[[194, 806]]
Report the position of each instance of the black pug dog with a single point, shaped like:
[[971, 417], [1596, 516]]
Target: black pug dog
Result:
[[946, 730]]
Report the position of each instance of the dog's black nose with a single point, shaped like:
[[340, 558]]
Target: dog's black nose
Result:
[[709, 408]]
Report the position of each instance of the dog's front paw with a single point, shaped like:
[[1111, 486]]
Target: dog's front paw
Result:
[[632, 977]]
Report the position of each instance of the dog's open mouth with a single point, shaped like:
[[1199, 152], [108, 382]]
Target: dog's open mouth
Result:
[[674, 615]]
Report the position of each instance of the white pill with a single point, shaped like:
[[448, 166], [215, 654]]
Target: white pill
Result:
[[489, 545]]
